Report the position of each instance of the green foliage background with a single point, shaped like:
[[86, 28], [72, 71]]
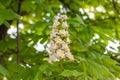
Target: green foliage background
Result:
[[90, 61]]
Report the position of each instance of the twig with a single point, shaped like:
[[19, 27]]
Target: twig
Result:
[[51, 77], [115, 7], [61, 66], [18, 35]]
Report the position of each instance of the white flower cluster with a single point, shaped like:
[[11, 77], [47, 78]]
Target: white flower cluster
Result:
[[59, 40]]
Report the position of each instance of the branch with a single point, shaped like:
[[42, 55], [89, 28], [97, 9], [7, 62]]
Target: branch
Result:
[[115, 7], [116, 59]]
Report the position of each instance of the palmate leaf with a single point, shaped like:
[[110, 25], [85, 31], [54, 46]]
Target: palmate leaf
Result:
[[98, 71]]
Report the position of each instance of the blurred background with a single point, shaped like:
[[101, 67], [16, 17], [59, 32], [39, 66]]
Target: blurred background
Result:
[[94, 27]]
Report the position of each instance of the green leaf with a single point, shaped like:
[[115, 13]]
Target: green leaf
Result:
[[74, 23], [44, 6], [6, 24], [43, 67], [15, 68], [28, 5], [8, 14], [3, 70], [48, 9], [2, 6], [38, 76], [26, 74], [1, 21], [6, 3], [80, 20], [67, 73], [75, 73]]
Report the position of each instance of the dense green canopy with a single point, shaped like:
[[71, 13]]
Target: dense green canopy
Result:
[[94, 27]]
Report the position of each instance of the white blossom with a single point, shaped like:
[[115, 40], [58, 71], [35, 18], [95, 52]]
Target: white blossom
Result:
[[53, 46], [56, 23], [65, 25], [67, 40], [63, 33], [53, 34], [65, 47], [59, 40], [60, 54], [70, 56], [63, 17], [52, 58]]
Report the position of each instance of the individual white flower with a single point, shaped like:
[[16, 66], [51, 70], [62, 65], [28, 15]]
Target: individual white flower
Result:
[[60, 54], [70, 56], [67, 40], [56, 23], [52, 58], [51, 42], [65, 25], [53, 33], [58, 40], [52, 49], [54, 30], [65, 47], [63, 17], [63, 33], [53, 46]]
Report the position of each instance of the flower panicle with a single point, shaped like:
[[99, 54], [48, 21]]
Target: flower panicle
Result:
[[59, 40]]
